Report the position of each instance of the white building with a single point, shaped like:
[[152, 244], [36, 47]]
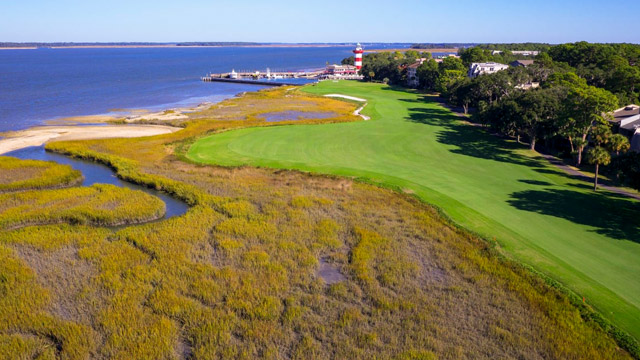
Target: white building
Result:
[[519, 52], [341, 70], [485, 68]]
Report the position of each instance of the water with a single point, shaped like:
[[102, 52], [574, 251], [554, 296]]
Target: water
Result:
[[329, 273], [42, 84], [95, 173]]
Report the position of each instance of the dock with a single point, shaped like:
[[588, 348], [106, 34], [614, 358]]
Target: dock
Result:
[[248, 81], [277, 78], [267, 78]]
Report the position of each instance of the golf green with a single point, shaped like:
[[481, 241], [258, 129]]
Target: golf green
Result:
[[588, 241]]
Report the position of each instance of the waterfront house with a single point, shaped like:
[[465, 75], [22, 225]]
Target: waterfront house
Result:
[[477, 69], [626, 121]]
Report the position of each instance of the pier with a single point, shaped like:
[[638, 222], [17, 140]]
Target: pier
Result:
[[248, 81], [278, 78], [263, 78]]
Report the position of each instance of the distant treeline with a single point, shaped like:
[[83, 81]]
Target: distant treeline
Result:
[[209, 43], [501, 47], [515, 47], [59, 44], [442, 45]]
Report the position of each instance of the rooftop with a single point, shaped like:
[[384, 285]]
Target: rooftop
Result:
[[523, 62], [625, 112], [632, 126], [488, 64]]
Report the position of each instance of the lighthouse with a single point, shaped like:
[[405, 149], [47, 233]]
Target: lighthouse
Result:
[[358, 51]]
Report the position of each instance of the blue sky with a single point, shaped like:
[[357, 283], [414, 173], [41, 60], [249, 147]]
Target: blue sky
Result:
[[320, 21]]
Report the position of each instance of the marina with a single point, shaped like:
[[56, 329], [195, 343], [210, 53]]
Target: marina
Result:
[[278, 78], [267, 78]]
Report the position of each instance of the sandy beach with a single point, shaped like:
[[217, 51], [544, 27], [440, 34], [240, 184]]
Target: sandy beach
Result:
[[132, 116], [37, 136]]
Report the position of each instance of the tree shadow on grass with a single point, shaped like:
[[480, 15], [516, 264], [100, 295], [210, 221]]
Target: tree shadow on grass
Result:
[[535, 182], [610, 214], [402, 89], [470, 140]]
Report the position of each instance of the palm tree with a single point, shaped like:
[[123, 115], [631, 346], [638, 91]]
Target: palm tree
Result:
[[598, 156], [618, 143]]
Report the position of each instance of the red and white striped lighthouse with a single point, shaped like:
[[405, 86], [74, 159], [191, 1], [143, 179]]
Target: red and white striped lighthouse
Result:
[[358, 51]]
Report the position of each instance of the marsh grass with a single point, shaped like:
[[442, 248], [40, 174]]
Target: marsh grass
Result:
[[236, 276], [16, 174], [100, 204]]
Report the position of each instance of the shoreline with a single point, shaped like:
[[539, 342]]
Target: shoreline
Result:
[[129, 116], [40, 135], [117, 123]]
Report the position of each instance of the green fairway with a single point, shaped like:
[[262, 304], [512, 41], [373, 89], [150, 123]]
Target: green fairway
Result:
[[589, 241]]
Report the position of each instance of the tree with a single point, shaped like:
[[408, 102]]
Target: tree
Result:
[[447, 78], [598, 156], [493, 87], [539, 108], [627, 168], [585, 107], [428, 74], [543, 59], [613, 67], [461, 94], [411, 54], [601, 134], [472, 55], [502, 117], [426, 55], [619, 143], [452, 63]]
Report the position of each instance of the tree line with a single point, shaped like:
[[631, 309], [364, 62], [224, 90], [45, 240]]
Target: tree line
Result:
[[516, 46], [580, 85]]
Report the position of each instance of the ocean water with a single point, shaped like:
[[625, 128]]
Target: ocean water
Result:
[[43, 84]]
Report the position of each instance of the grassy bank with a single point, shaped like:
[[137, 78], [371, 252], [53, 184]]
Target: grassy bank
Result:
[[586, 240], [16, 174], [238, 276], [99, 204]]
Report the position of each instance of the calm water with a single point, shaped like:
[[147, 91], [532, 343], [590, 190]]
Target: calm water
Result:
[[95, 173], [38, 85]]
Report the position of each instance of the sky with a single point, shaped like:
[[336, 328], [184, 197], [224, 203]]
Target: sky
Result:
[[410, 21]]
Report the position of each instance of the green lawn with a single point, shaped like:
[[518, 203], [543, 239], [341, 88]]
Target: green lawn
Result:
[[589, 241]]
